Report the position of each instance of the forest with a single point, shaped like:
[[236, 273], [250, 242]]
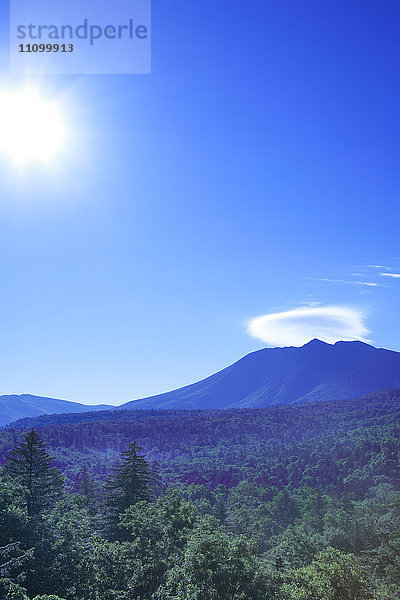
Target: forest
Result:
[[297, 502]]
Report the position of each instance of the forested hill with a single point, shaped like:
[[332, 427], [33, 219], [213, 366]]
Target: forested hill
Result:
[[292, 502], [347, 445]]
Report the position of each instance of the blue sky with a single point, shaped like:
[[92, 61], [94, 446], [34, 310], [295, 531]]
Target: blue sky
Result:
[[253, 173]]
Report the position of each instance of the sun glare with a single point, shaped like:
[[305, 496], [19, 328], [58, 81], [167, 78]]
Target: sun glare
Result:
[[31, 128]]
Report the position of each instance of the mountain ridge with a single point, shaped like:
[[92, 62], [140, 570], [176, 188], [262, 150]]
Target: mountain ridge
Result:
[[17, 406], [317, 371]]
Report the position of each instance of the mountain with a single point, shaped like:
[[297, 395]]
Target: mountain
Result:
[[15, 406], [315, 372], [273, 376]]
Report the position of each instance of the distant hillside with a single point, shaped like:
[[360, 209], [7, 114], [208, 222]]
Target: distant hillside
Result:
[[347, 445], [315, 372], [13, 407]]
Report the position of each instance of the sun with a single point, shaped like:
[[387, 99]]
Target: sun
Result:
[[31, 128]]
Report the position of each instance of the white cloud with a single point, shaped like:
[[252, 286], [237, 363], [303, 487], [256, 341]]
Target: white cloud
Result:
[[394, 275], [366, 283], [297, 327], [378, 267]]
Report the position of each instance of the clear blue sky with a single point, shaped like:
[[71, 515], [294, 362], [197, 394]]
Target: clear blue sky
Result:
[[258, 161]]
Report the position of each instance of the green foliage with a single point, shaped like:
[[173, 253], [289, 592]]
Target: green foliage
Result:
[[13, 511], [63, 543], [331, 576], [296, 503], [118, 572], [170, 518], [88, 488], [336, 447], [216, 565], [47, 597], [295, 547], [12, 561], [14, 527], [11, 591], [30, 463], [157, 534], [132, 481]]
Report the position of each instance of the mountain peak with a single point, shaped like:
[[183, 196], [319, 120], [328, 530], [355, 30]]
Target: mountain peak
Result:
[[316, 342]]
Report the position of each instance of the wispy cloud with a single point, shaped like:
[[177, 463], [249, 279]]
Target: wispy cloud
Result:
[[378, 267], [393, 275], [297, 327], [366, 283]]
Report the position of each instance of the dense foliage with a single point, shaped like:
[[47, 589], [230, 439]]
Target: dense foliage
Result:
[[286, 503], [336, 446]]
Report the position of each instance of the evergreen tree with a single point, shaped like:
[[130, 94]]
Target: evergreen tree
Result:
[[30, 463], [132, 481]]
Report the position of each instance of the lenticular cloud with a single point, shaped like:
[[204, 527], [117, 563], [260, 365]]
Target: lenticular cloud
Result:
[[297, 327]]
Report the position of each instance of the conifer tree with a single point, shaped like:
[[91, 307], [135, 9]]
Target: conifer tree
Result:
[[30, 463], [131, 481]]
